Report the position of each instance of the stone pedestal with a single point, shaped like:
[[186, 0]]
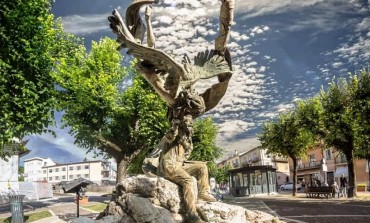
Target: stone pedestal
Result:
[[157, 200]]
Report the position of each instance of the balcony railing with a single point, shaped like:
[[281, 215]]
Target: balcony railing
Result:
[[255, 159], [310, 165], [246, 163], [279, 159], [235, 164], [341, 159]]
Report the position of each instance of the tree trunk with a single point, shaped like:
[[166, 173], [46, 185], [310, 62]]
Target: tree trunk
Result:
[[121, 168], [351, 175], [294, 176]]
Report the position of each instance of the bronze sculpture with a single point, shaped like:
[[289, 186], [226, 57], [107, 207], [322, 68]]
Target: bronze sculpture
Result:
[[174, 83]]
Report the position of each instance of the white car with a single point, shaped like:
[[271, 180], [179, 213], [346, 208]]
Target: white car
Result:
[[289, 186]]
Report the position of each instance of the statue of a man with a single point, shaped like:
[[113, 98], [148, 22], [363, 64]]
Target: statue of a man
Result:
[[174, 83]]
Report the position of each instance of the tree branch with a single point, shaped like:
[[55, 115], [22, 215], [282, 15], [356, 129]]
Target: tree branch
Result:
[[108, 143]]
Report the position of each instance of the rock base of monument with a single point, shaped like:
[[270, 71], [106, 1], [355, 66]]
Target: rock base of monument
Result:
[[154, 199]]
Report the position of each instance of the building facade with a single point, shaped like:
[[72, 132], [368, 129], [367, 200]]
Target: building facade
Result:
[[96, 171], [255, 172], [9, 166], [259, 157], [33, 168], [328, 165]]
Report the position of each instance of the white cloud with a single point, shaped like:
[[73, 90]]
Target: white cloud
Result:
[[252, 8], [364, 25], [81, 24]]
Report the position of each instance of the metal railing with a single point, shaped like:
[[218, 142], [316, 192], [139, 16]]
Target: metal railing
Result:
[[310, 165]]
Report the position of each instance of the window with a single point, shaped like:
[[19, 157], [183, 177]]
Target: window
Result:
[[71, 168], [63, 177], [78, 175], [44, 171], [45, 163], [70, 177], [50, 178], [63, 169], [56, 169], [57, 178], [328, 154], [86, 175], [45, 178], [86, 167], [312, 158], [50, 170], [78, 167]]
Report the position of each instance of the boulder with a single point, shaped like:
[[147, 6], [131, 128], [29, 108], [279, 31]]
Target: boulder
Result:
[[157, 200]]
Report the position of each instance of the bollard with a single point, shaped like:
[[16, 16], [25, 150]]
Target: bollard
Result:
[[16, 207]]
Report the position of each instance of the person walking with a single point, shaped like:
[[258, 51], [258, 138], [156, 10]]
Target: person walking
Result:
[[343, 186], [335, 189]]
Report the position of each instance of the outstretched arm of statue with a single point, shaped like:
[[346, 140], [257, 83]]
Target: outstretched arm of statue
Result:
[[226, 19], [154, 79], [149, 30]]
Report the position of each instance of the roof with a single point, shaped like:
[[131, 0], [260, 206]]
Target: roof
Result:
[[66, 164], [16, 147], [252, 168], [33, 158], [76, 184]]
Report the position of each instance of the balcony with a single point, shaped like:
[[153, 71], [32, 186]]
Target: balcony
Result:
[[310, 165], [255, 159], [246, 163], [235, 164], [279, 159], [341, 159]]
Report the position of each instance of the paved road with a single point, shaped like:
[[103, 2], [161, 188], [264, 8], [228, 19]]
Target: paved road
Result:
[[309, 210], [287, 208]]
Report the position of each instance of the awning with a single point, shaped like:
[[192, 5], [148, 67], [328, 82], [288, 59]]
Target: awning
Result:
[[341, 170]]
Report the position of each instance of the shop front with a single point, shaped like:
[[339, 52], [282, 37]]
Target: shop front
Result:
[[252, 180]]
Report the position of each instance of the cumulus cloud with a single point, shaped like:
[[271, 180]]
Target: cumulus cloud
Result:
[[254, 94], [252, 8], [82, 24]]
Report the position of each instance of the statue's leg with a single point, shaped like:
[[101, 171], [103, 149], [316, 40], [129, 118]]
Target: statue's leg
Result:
[[200, 172], [179, 176]]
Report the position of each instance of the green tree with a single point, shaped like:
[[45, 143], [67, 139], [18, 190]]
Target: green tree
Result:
[[360, 109], [104, 114], [222, 174], [338, 122], [204, 142], [21, 173], [30, 42], [286, 137]]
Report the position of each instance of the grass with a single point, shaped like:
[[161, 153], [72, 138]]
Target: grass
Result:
[[29, 217], [96, 207]]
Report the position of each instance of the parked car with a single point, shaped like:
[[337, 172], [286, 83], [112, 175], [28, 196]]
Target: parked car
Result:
[[289, 186]]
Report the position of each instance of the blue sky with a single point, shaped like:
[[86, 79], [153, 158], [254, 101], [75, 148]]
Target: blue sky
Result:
[[282, 51]]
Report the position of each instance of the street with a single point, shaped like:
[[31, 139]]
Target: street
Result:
[[289, 209], [302, 209]]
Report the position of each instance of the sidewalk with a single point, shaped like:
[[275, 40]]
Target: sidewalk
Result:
[[52, 219]]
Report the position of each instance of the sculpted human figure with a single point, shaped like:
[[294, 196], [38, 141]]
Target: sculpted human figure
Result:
[[174, 83]]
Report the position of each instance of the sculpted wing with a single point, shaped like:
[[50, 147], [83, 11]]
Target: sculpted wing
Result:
[[207, 64]]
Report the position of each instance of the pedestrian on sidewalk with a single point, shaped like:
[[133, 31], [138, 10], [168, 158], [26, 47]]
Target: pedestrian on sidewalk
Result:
[[343, 186], [335, 189]]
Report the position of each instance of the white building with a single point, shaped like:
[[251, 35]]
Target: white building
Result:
[[33, 168], [95, 171], [9, 166]]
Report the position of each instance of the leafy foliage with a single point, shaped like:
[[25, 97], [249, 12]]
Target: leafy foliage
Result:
[[204, 142], [30, 46], [102, 113], [222, 174], [286, 137], [360, 112]]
